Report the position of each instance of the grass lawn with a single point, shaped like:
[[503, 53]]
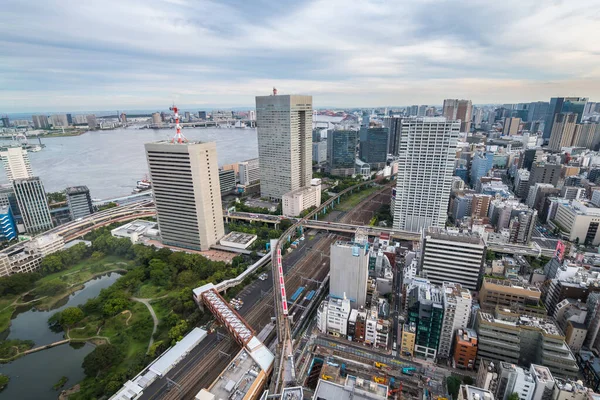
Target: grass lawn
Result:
[[349, 202], [6, 311], [149, 291]]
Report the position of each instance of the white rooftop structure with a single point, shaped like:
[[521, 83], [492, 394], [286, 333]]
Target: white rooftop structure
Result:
[[177, 352]]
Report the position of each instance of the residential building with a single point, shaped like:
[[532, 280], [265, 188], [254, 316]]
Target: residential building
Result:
[[543, 172], [319, 150], [511, 294], [226, 180], [521, 227], [514, 379], [544, 382], [59, 121], [457, 308], [374, 149], [91, 121], [284, 124], [523, 340], [575, 335], [465, 349], [407, 341], [522, 183], [452, 256], [482, 163], [8, 228], [426, 312], [79, 202], [349, 270], [332, 317], [480, 205], [16, 163], [185, 184], [394, 135], [40, 121], [563, 130], [511, 126], [249, 171], [467, 392], [562, 105], [33, 204], [296, 201], [341, 151], [426, 161]]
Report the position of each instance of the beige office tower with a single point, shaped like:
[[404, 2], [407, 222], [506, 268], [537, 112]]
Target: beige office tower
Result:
[[563, 131], [454, 109], [16, 163], [185, 182], [284, 124]]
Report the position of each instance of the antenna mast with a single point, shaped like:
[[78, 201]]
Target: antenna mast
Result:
[[178, 138]]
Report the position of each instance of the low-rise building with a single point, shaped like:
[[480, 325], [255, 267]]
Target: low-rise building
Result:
[[510, 294], [407, 343], [136, 230], [465, 349], [332, 317], [579, 221], [238, 240], [296, 201], [467, 392]]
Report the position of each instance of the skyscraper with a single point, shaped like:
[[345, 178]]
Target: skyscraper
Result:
[[33, 204], [587, 135], [349, 272], [40, 122], [284, 125], [482, 163], [537, 111], [16, 163], [563, 130], [454, 109], [341, 152], [426, 161], [8, 229], [563, 104], [374, 149], [394, 135], [92, 121], [59, 120], [79, 201], [511, 126], [185, 182]]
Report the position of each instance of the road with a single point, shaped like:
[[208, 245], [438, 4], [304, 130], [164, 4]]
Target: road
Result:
[[146, 302]]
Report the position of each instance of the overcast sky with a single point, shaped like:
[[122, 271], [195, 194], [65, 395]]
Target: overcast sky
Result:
[[134, 54]]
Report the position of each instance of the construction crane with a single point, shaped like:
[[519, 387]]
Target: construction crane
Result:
[[397, 390]]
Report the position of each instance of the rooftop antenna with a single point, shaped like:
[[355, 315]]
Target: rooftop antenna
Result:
[[274, 92], [178, 138]]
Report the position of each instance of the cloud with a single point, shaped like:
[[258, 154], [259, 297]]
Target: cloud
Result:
[[68, 55]]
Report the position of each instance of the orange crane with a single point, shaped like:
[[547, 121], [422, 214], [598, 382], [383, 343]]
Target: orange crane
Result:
[[397, 390]]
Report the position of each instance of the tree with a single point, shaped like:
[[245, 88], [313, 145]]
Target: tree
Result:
[[3, 381], [513, 396], [114, 306], [70, 316], [52, 263], [176, 333], [467, 380], [51, 288], [453, 386], [102, 358]]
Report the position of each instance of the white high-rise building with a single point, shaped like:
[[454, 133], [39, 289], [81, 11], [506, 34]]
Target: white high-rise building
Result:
[[457, 309], [426, 158], [249, 171], [284, 124], [349, 272], [185, 183], [16, 163], [33, 204]]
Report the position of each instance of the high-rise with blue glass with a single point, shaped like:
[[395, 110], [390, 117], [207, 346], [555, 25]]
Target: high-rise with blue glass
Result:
[[8, 229], [563, 105]]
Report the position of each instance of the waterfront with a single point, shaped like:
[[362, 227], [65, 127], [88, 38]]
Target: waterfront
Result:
[[46, 367], [110, 162]]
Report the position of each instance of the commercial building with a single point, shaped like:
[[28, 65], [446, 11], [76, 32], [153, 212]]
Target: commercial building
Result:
[[249, 171], [27, 257], [521, 227], [185, 183], [519, 296], [563, 105], [467, 392], [238, 240], [40, 121], [454, 109], [587, 134], [332, 317], [511, 126], [543, 172], [91, 121], [452, 256], [407, 342], [341, 151], [319, 150], [425, 164], [514, 379], [296, 201], [457, 308], [226, 180], [537, 111], [482, 163], [33, 204], [59, 120], [524, 340], [284, 125], [136, 231], [8, 228], [563, 130], [350, 388], [395, 127], [480, 205], [374, 149], [426, 312], [579, 220], [16, 163], [79, 202], [465, 349], [522, 183], [349, 271]]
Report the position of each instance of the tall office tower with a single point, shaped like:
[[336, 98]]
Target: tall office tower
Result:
[[5, 121], [537, 111], [426, 313], [478, 117], [8, 228], [59, 120], [450, 108], [482, 163], [542, 172], [521, 227], [122, 118], [70, 119], [33, 204], [91, 121], [349, 271], [341, 152], [563, 130], [421, 111], [511, 126], [185, 182], [284, 125], [587, 135], [249, 171], [561, 105], [79, 201], [457, 309], [394, 135], [16, 163], [40, 122], [412, 111], [464, 112], [426, 161], [374, 149], [319, 152], [450, 256]]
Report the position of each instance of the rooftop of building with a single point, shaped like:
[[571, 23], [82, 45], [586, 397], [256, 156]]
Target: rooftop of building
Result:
[[138, 226], [542, 373], [512, 367], [475, 393], [410, 327], [590, 359], [454, 235], [547, 326], [77, 190], [569, 385], [173, 143], [303, 189], [466, 335], [237, 379], [510, 284], [239, 237], [353, 388]]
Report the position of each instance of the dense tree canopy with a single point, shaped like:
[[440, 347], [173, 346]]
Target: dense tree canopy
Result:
[[102, 358]]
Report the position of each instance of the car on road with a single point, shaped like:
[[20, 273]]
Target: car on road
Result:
[[263, 276]]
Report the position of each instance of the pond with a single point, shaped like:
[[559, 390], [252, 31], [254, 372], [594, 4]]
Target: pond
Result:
[[32, 376]]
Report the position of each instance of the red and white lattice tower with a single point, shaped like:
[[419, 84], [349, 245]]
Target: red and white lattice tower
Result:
[[178, 138]]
